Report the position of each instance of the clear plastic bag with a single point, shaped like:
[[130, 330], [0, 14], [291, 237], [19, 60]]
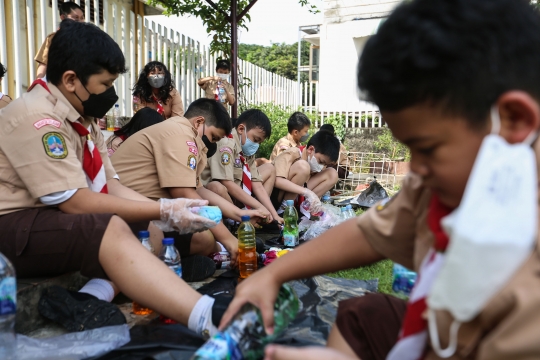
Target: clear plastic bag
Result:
[[78, 345], [331, 217]]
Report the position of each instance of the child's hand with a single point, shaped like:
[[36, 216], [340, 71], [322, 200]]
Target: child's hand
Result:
[[176, 215]]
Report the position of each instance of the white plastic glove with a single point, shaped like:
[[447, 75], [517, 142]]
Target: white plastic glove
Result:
[[176, 215], [313, 200]]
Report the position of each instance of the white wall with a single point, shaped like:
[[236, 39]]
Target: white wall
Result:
[[341, 45]]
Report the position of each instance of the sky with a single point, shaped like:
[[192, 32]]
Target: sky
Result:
[[272, 21]]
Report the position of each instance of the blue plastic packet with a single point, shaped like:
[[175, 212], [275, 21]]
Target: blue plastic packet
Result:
[[210, 212], [404, 280]]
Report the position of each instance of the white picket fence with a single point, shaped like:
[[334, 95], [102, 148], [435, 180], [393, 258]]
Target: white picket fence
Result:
[[24, 25]]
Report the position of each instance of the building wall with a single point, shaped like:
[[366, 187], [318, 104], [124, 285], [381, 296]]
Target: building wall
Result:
[[339, 11], [346, 28]]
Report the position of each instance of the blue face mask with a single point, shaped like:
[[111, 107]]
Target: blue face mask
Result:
[[250, 147]]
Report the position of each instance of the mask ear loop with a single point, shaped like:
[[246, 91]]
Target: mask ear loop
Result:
[[434, 336]]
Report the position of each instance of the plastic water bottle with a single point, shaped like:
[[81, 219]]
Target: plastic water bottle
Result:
[[350, 211], [290, 230], [116, 115], [244, 337], [8, 309], [222, 95], [247, 255], [144, 237], [344, 214], [110, 119], [170, 256]]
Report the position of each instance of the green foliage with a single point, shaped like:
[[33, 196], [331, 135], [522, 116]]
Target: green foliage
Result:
[[216, 20], [388, 144], [381, 270], [281, 59], [278, 118]]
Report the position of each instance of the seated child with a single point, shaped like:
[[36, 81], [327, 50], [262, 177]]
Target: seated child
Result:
[[226, 173], [343, 161], [166, 160], [444, 74], [58, 216], [305, 172], [298, 127], [142, 119]]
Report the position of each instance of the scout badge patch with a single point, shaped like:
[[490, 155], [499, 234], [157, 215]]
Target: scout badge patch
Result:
[[192, 162], [55, 145]]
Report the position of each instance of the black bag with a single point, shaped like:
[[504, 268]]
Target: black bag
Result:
[[372, 195]]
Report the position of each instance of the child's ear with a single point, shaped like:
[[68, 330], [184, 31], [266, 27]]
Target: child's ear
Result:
[[68, 80], [520, 115], [199, 120]]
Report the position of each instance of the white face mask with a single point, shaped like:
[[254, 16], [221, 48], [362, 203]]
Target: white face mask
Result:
[[491, 233], [224, 76], [314, 164]]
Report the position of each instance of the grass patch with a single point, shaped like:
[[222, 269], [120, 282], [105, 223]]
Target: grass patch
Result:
[[381, 270]]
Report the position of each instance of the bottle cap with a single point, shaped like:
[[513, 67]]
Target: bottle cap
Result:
[[144, 234], [290, 202], [167, 241], [245, 218]]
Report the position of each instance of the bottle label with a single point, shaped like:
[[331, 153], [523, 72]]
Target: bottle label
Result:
[[177, 269], [289, 239], [225, 264], [220, 346], [8, 296]]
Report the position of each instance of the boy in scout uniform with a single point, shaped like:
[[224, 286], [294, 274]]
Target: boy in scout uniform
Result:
[[442, 105], [63, 208], [165, 161], [298, 126], [304, 172], [210, 83], [343, 161], [67, 10], [4, 98], [233, 174]]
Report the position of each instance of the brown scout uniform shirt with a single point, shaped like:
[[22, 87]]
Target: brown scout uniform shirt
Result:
[[226, 164], [43, 53], [342, 155], [173, 107], [509, 325], [168, 154], [210, 88], [283, 144], [4, 100], [40, 152]]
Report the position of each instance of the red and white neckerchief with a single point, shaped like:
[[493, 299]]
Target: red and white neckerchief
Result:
[[246, 174], [92, 162], [159, 105], [413, 336]]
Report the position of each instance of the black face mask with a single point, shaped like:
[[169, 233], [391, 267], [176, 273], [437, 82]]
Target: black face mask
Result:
[[97, 105], [211, 147]]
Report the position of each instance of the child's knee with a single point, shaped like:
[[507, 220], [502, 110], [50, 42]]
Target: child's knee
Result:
[[332, 175], [300, 168]]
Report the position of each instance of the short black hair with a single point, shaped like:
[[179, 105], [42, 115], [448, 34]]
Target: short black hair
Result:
[[213, 112], [142, 87], [3, 70], [84, 49], [457, 54], [65, 8], [255, 118], [329, 128], [326, 144], [223, 64], [143, 118], [297, 121]]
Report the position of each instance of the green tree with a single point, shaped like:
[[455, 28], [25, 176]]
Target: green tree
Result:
[[215, 16], [281, 59]]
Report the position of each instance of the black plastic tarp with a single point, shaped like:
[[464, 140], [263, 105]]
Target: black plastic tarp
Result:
[[318, 296]]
